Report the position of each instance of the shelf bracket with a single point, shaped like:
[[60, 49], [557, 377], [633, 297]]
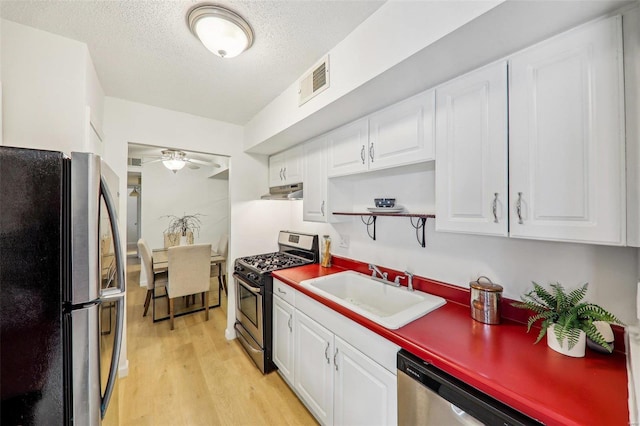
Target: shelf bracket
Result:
[[371, 223], [420, 226]]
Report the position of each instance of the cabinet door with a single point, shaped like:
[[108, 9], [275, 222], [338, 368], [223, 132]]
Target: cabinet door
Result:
[[276, 169], [313, 366], [293, 166], [347, 149], [402, 133], [365, 392], [566, 137], [283, 342], [315, 208], [471, 153]]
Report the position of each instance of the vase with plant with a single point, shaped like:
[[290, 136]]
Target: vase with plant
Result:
[[180, 226], [566, 319]]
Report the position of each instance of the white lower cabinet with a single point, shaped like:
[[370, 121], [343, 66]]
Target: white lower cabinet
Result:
[[283, 338], [340, 383], [365, 392], [314, 349]]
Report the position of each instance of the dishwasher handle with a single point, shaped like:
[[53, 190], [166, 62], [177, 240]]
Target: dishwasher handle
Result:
[[464, 397]]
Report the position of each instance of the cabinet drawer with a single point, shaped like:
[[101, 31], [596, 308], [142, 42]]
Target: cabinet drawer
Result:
[[284, 292]]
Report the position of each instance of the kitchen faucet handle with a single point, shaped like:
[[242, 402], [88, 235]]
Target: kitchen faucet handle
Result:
[[410, 281]]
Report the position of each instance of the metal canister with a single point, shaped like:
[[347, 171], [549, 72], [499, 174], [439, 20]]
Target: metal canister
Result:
[[485, 300]]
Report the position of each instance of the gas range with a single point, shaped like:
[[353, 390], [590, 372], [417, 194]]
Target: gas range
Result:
[[296, 249], [254, 292]]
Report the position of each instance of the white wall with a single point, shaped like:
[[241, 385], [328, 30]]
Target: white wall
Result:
[[458, 258], [250, 233], [397, 30], [185, 192], [43, 79]]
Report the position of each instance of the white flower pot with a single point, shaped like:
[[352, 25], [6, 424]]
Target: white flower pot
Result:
[[577, 351], [183, 240]]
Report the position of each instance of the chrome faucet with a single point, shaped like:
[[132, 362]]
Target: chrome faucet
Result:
[[409, 280], [375, 271]]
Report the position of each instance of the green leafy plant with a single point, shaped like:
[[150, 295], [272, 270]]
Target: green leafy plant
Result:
[[182, 225], [567, 311]]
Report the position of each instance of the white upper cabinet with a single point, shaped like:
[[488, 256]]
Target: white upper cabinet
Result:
[[395, 136], [315, 203], [286, 167], [471, 153], [402, 133], [347, 149], [566, 137]]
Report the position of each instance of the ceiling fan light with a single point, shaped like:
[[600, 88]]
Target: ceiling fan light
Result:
[[220, 30], [173, 164]]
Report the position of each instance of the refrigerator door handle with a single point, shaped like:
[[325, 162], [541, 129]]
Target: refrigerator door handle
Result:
[[116, 294], [117, 247], [115, 358]]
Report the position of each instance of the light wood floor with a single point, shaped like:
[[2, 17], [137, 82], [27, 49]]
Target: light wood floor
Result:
[[194, 376]]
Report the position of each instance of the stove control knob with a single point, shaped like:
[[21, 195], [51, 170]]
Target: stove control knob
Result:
[[238, 268], [252, 276]]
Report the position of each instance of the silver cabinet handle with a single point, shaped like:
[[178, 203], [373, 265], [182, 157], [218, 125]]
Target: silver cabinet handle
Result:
[[326, 353], [362, 154], [322, 208], [519, 208], [281, 291], [281, 173], [371, 152], [290, 328], [495, 207], [335, 356], [284, 173]]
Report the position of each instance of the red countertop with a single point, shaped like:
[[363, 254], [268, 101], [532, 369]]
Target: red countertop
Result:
[[500, 360]]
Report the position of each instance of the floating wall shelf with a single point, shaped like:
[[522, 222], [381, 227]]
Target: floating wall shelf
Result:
[[372, 217]]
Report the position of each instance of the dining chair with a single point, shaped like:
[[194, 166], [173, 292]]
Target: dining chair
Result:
[[220, 269], [189, 269], [153, 280], [172, 239]]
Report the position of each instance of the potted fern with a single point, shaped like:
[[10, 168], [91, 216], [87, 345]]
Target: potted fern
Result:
[[181, 226], [566, 319]]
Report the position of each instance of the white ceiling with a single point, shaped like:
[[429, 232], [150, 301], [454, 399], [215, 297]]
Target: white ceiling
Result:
[[143, 51]]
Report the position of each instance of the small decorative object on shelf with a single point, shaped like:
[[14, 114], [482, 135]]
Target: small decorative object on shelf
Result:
[[565, 319], [326, 251]]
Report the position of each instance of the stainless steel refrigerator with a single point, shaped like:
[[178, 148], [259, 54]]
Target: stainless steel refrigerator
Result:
[[61, 289]]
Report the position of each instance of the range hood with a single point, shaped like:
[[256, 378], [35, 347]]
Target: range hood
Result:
[[284, 192]]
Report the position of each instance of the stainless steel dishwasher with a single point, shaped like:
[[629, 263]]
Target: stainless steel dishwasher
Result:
[[429, 396]]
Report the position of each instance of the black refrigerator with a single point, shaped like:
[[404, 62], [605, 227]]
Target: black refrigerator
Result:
[[61, 289]]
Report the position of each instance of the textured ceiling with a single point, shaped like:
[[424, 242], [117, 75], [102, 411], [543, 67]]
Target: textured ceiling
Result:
[[143, 51]]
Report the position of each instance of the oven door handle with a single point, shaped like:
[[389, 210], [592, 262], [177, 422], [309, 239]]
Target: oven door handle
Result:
[[250, 288]]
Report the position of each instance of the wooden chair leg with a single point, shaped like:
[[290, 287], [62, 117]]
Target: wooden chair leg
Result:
[[171, 313], [147, 300], [203, 297], [206, 306]]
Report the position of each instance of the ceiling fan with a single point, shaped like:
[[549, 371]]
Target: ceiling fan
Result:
[[175, 160]]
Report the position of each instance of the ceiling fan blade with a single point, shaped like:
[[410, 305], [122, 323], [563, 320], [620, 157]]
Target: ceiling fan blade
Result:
[[204, 163], [153, 161], [192, 166], [192, 160]]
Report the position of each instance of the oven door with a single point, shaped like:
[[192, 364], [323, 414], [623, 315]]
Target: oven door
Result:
[[249, 308]]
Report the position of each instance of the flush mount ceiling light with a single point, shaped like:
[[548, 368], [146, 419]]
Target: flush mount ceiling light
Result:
[[223, 32]]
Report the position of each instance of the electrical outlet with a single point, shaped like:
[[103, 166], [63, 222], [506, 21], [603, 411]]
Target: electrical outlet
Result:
[[344, 241]]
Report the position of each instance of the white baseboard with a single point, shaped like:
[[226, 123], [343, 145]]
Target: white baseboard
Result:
[[123, 369], [230, 334]]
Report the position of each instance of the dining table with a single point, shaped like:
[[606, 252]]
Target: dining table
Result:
[[160, 258]]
